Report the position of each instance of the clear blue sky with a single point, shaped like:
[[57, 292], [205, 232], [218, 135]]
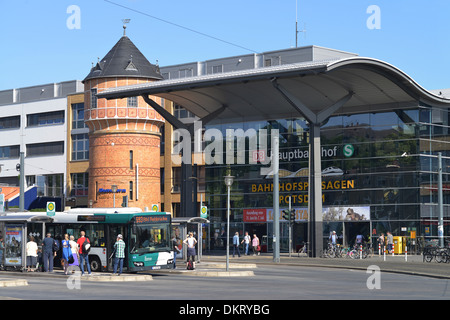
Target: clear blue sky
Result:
[[38, 47]]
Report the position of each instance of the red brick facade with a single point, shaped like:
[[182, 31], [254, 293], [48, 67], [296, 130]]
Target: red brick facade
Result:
[[120, 138]]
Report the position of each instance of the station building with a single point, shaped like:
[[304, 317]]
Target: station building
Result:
[[378, 150], [377, 147]]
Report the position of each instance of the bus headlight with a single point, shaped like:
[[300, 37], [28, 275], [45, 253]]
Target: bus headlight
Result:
[[138, 264]]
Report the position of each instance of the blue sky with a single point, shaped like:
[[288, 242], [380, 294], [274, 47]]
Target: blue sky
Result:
[[38, 47]]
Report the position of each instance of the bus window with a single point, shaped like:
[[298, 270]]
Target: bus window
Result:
[[147, 238]]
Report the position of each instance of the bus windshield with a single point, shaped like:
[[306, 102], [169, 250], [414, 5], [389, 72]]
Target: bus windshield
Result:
[[147, 238]]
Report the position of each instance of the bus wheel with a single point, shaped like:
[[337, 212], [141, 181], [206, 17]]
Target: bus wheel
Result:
[[96, 265]]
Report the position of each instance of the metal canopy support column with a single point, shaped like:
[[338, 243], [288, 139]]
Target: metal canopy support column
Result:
[[188, 205], [315, 227]]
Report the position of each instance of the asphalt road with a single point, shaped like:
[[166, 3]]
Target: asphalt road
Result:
[[278, 283]]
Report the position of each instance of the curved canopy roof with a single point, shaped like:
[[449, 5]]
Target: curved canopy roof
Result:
[[253, 95]]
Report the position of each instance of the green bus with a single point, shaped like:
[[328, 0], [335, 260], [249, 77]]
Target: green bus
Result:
[[147, 235]]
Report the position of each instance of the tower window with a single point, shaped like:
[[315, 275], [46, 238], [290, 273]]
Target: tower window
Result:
[[131, 159], [94, 98], [132, 102]]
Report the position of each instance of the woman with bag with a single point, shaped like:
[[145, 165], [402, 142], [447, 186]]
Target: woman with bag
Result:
[[255, 244], [74, 249], [66, 253]]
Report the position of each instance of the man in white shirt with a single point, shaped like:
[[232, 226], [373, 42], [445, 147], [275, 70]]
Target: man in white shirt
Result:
[[246, 243]]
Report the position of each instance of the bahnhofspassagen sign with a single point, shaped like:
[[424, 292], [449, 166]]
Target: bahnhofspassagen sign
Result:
[[301, 186]]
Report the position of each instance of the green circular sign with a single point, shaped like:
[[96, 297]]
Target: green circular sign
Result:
[[348, 150]]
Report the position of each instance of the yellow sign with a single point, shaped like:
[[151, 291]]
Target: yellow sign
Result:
[[155, 207], [51, 208]]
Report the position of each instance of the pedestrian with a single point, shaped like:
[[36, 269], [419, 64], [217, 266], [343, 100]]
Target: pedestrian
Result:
[[75, 255], [119, 248], [47, 253], [333, 238], [32, 254], [190, 242], [236, 244], [176, 250], [390, 241], [66, 253], [83, 255], [2, 248], [246, 243], [381, 241], [255, 245]]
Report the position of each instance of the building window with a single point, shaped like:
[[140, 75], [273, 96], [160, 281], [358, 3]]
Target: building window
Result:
[[9, 152], [78, 116], [50, 185], [217, 69], [182, 113], [132, 102], [10, 122], [80, 183], [80, 147], [45, 149], [131, 190], [131, 159], [94, 98], [45, 119]]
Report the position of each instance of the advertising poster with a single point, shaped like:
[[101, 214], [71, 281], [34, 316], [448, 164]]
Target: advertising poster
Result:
[[354, 213], [13, 245]]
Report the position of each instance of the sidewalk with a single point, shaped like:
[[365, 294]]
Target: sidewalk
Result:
[[395, 264]]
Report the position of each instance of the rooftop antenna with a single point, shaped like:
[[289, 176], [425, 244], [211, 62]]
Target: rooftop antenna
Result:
[[296, 24], [125, 22]]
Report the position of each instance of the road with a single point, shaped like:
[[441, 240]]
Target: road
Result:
[[268, 283]]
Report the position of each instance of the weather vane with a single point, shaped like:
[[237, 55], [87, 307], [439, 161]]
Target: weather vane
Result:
[[125, 22]]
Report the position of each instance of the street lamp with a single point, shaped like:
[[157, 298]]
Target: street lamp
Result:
[[114, 190], [228, 182]]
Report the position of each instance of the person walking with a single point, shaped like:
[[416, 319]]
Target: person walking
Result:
[[75, 255], [119, 248], [83, 255], [66, 253], [255, 244], [236, 244], [190, 242], [381, 242], [176, 250], [47, 253], [390, 241], [32, 254], [246, 243]]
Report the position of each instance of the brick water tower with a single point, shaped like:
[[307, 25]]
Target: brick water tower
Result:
[[124, 134]]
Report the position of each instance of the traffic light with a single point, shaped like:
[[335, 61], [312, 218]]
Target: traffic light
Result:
[[292, 216], [289, 215], [286, 214]]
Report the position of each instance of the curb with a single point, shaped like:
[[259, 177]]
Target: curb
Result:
[[121, 278], [13, 283]]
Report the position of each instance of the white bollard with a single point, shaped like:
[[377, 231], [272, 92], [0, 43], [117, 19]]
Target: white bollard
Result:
[[406, 253], [384, 253], [360, 252], [379, 249]]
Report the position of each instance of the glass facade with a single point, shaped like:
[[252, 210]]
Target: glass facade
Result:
[[379, 174]]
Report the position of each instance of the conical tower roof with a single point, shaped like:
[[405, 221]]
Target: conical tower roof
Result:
[[124, 60]]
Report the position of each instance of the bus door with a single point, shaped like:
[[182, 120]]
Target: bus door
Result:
[[112, 232]]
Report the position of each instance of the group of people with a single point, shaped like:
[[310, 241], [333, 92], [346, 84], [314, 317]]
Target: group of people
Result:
[[389, 241], [190, 241], [246, 242], [73, 254]]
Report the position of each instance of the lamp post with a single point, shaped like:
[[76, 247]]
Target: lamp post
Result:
[[228, 182], [114, 190]]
